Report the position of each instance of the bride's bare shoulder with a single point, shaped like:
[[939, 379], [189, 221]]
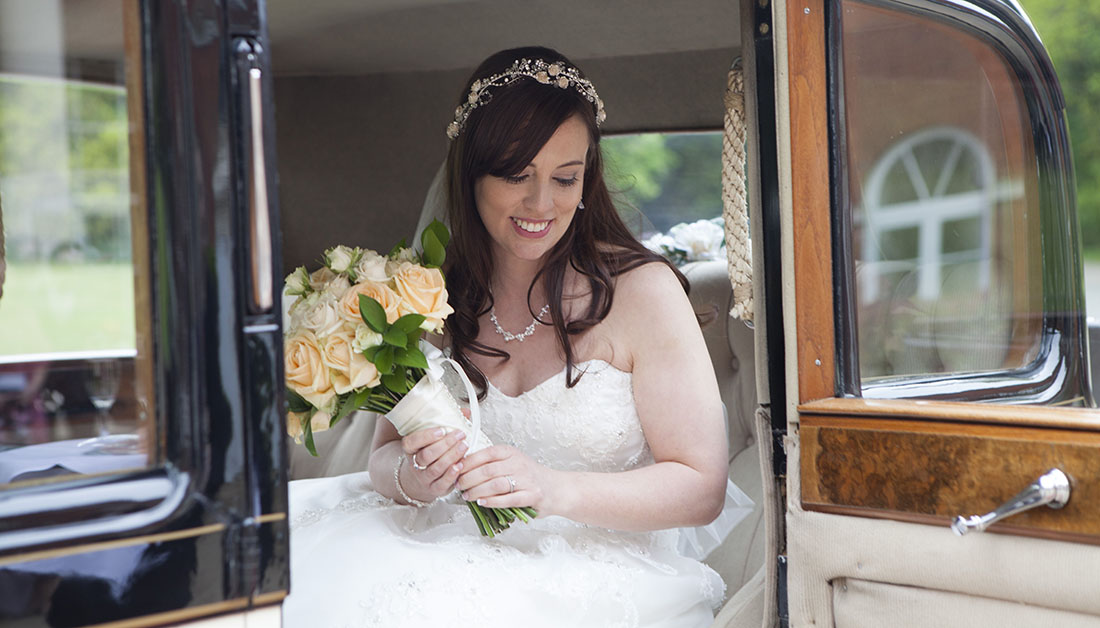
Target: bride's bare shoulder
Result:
[[647, 282]]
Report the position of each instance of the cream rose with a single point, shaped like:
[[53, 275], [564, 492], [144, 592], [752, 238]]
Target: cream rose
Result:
[[341, 258], [390, 301], [349, 369], [337, 287], [322, 318], [365, 338], [297, 282], [319, 278], [423, 292], [306, 373], [372, 267]]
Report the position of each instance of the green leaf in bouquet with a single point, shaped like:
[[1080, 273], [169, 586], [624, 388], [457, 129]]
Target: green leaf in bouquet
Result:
[[296, 403], [307, 428], [439, 230], [434, 251], [370, 352], [408, 323], [395, 337], [396, 381], [372, 313], [411, 357], [383, 360], [397, 248], [347, 406]]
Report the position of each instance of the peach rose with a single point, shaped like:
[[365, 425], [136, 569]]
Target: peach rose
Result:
[[318, 423], [349, 370], [423, 292], [348, 307], [306, 373]]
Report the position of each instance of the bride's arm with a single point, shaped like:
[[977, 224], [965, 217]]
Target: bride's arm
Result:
[[680, 408]]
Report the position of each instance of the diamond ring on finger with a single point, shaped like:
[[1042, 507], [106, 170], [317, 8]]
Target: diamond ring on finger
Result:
[[512, 483], [417, 465]]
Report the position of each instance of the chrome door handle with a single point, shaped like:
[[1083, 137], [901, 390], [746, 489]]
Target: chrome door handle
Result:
[[1051, 490]]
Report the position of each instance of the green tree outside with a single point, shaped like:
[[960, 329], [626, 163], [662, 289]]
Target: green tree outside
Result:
[[1070, 30]]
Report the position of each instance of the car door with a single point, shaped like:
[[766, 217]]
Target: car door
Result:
[[927, 352], [142, 475]]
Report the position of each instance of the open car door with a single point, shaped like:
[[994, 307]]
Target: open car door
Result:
[[928, 357]]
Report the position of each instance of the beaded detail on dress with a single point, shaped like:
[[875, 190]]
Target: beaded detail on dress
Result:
[[592, 426]]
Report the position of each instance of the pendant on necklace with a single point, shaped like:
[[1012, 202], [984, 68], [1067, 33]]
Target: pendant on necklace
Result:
[[509, 336]]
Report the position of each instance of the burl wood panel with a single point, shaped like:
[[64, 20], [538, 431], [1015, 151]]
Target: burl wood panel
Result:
[[812, 236], [931, 472]]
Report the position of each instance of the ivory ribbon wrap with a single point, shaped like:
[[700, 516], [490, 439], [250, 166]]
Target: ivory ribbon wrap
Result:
[[429, 404]]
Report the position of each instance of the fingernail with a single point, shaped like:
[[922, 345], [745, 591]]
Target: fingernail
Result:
[[461, 435], [462, 448], [466, 496], [458, 466], [440, 432], [481, 502]]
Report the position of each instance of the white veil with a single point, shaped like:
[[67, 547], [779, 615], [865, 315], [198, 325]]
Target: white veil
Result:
[[435, 204]]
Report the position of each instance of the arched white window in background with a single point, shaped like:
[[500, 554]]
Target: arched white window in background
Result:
[[929, 203]]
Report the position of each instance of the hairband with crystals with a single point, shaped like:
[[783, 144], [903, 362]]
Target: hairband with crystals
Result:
[[556, 74]]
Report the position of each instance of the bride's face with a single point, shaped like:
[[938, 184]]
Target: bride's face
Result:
[[528, 213]]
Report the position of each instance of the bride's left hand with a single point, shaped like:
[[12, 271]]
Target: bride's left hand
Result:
[[487, 475]]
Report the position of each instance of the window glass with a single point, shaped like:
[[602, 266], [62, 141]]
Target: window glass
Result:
[[670, 190], [942, 183], [73, 374]]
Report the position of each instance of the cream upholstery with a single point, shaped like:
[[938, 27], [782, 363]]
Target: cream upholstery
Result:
[[345, 448], [730, 343]]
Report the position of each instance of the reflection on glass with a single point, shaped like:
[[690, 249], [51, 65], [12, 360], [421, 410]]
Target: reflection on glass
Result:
[[942, 180], [69, 353]]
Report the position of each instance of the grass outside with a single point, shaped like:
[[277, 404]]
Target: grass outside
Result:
[[1091, 255], [49, 308]]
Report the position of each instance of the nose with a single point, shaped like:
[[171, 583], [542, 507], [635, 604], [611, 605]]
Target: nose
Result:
[[540, 198]]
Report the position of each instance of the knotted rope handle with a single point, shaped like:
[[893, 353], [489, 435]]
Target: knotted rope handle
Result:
[[735, 207]]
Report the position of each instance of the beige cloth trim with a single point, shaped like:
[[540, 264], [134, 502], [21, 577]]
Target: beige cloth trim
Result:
[[864, 604]]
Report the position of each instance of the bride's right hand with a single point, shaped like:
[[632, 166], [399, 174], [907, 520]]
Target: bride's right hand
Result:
[[435, 460]]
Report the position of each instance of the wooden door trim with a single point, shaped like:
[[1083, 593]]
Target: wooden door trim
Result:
[[956, 412], [810, 198]]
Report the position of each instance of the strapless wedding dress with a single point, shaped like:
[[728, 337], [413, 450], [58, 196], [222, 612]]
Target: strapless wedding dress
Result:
[[359, 559]]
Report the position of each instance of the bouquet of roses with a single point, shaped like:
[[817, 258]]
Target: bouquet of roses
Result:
[[353, 342]]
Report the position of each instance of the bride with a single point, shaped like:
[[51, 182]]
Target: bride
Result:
[[597, 391]]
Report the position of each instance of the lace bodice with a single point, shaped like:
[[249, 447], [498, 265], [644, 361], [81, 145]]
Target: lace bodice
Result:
[[590, 427]]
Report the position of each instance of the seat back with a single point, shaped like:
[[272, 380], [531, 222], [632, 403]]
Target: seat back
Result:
[[730, 343]]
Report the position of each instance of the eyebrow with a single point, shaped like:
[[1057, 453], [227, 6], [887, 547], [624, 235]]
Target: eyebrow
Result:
[[572, 163]]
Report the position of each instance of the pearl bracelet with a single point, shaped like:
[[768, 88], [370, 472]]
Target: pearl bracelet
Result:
[[397, 482]]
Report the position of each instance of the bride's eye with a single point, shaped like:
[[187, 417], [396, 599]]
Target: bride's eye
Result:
[[518, 178], [570, 182]]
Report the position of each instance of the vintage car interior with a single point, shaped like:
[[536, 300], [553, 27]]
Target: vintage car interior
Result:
[[362, 103], [918, 352]]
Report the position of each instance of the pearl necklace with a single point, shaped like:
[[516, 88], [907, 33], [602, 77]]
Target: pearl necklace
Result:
[[509, 336]]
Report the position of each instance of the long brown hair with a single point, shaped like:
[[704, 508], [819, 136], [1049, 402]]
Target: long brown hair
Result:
[[500, 138]]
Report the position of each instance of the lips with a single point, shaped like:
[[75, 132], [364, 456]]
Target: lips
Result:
[[531, 228]]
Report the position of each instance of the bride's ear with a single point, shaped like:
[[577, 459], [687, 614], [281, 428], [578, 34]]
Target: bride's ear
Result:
[[435, 204]]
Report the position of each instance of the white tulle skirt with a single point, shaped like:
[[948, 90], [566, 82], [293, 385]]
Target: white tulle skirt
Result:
[[358, 559]]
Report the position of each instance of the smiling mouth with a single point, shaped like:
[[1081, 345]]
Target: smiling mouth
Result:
[[531, 226]]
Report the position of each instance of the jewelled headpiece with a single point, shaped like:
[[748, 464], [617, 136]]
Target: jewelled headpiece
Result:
[[555, 74]]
